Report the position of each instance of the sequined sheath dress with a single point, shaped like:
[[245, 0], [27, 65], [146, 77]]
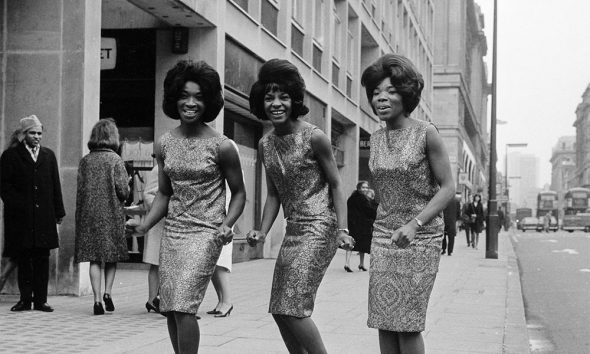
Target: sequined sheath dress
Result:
[[310, 239], [189, 248], [401, 279]]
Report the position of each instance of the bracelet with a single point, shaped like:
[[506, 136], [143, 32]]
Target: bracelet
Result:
[[345, 230], [420, 223]]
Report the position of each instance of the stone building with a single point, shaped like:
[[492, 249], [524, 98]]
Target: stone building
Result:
[[74, 62], [582, 125], [461, 91], [563, 166]]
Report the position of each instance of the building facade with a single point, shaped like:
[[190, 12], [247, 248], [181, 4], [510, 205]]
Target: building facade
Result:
[[523, 181], [563, 166], [74, 62], [582, 125], [461, 91]]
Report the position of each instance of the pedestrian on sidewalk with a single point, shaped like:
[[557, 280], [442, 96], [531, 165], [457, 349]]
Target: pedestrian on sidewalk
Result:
[[33, 207], [302, 176], [465, 222], [451, 214], [8, 255], [152, 240], [362, 210], [103, 187], [412, 176], [195, 161], [476, 219]]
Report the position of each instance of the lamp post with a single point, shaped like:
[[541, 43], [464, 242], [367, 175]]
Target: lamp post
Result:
[[506, 178]]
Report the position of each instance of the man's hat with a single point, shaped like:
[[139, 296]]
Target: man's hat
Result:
[[28, 123]]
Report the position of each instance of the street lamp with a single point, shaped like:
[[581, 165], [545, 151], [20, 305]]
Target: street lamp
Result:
[[492, 220], [507, 187]]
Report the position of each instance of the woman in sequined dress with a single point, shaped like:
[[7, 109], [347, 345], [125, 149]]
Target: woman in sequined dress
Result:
[[194, 163], [412, 176], [302, 177]]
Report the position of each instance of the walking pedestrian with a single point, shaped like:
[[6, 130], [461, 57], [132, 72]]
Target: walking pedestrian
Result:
[[361, 215], [194, 163], [33, 207], [152, 240], [302, 176], [451, 214], [476, 219], [465, 219], [412, 176], [103, 186]]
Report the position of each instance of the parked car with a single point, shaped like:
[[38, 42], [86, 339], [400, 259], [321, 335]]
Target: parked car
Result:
[[553, 226], [529, 223]]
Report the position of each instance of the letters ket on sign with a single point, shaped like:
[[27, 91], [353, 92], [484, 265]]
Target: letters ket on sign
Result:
[[108, 53]]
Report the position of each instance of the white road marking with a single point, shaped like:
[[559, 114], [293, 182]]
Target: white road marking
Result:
[[550, 241], [585, 270], [566, 250]]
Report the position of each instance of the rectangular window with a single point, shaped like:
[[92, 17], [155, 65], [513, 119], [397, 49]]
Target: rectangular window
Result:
[[317, 57], [348, 85], [297, 39], [269, 16], [297, 7], [335, 74], [337, 29], [350, 51], [242, 3]]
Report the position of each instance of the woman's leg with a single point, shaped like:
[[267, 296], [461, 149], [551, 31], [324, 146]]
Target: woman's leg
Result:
[[221, 276], [306, 333], [172, 331], [472, 231], [362, 259], [109, 276], [388, 342], [8, 268], [411, 342], [347, 259], [292, 344], [95, 277], [187, 332], [153, 282], [476, 238]]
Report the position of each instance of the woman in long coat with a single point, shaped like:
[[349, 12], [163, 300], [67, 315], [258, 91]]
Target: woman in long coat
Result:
[[103, 186], [361, 214], [476, 219]]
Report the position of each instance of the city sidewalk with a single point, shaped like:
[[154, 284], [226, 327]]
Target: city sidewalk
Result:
[[476, 307]]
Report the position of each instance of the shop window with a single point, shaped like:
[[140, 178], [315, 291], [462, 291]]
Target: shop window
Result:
[[297, 37], [269, 16]]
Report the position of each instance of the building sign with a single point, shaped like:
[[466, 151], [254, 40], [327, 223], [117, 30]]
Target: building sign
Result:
[[108, 53], [365, 143], [464, 179]]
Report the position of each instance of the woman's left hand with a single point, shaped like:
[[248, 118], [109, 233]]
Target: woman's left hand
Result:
[[225, 233], [345, 241], [404, 235]]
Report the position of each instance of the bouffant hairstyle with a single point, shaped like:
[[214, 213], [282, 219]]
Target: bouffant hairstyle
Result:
[[404, 76], [105, 135], [278, 75], [202, 74]]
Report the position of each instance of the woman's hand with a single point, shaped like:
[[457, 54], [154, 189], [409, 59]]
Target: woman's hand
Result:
[[132, 226], [345, 241], [255, 236], [225, 233], [405, 234]]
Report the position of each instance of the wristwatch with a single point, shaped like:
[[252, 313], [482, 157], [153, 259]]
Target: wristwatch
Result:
[[420, 223], [345, 230]]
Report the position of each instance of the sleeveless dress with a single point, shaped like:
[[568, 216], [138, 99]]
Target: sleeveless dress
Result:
[[310, 240], [190, 247], [401, 279]]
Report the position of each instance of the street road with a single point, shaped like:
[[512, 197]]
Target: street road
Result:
[[555, 277]]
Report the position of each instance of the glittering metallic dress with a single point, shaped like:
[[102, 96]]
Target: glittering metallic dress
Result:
[[310, 240], [401, 279], [190, 247]]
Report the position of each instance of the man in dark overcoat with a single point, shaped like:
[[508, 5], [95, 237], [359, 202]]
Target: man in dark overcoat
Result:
[[451, 214], [31, 192]]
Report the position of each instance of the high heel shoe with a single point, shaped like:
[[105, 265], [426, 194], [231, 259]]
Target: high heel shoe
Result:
[[361, 267], [214, 312], [98, 310], [149, 307], [108, 302], [226, 314], [347, 268]]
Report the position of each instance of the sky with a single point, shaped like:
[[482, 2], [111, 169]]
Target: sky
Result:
[[543, 70]]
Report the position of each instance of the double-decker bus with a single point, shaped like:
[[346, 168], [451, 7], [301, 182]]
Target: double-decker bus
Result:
[[576, 216], [548, 202]]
